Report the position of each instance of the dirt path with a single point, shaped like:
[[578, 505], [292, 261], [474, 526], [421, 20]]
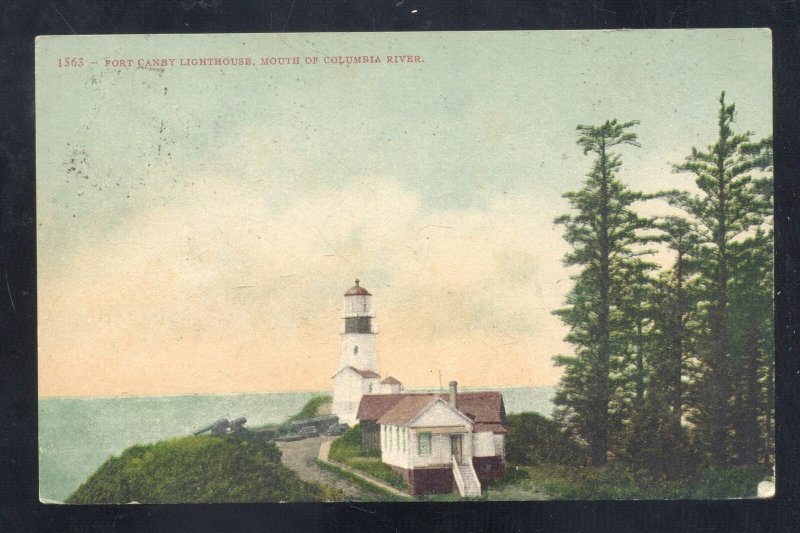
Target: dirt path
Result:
[[301, 456]]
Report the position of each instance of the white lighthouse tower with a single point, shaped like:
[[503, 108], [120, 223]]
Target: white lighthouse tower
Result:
[[357, 373]]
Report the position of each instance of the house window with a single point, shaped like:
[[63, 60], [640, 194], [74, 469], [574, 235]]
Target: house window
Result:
[[424, 443]]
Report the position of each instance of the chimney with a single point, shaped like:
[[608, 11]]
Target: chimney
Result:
[[454, 394]]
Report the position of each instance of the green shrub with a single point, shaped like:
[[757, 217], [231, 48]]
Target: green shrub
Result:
[[348, 445], [200, 469], [515, 475], [737, 482], [533, 439], [616, 481]]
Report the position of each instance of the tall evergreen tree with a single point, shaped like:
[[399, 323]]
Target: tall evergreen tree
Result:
[[635, 339], [730, 205], [602, 230], [660, 442], [751, 319], [681, 237]]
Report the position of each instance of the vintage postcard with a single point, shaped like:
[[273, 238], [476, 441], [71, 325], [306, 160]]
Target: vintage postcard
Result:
[[405, 266]]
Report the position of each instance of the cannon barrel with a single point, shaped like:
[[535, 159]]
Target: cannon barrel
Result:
[[209, 427]]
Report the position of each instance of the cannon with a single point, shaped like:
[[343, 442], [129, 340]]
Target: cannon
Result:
[[223, 426], [219, 427], [238, 424], [321, 423]]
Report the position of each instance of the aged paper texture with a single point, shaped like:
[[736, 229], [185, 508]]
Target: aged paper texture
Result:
[[405, 266]]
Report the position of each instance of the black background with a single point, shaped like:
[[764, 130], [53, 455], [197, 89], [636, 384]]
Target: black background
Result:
[[21, 21]]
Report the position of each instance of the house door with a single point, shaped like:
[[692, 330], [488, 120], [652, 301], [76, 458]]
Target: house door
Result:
[[455, 447]]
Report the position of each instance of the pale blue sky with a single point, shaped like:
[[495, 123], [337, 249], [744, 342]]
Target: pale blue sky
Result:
[[474, 146]]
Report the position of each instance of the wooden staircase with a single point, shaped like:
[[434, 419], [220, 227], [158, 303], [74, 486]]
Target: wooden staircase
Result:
[[469, 486]]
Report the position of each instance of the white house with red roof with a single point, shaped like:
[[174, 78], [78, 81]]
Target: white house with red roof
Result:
[[439, 443]]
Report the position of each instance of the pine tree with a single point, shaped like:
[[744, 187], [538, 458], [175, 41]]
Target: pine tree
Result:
[[681, 238], [634, 331], [751, 320], [730, 205], [660, 442], [602, 230]]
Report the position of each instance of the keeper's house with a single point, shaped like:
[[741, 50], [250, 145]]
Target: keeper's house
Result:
[[439, 443]]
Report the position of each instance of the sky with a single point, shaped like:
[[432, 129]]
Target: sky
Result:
[[198, 226]]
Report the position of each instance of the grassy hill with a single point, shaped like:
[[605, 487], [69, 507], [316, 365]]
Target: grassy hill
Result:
[[200, 469]]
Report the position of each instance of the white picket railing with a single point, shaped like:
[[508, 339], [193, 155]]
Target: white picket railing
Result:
[[457, 476], [475, 485]]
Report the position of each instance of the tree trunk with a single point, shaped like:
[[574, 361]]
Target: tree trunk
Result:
[[746, 421], [677, 354], [599, 445], [718, 362], [639, 362]]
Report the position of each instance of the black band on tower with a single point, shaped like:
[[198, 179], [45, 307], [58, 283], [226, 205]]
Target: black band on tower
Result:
[[358, 324]]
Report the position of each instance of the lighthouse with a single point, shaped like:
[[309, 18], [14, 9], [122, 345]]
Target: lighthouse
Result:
[[358, 331], [357, 373]]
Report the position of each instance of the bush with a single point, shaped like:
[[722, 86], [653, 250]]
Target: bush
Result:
[[616, 481], [611, 482], [737, 482], [533, 439], [348, 445], [200, 469]]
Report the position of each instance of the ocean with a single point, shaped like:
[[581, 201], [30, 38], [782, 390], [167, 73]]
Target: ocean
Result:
[[76, 435]]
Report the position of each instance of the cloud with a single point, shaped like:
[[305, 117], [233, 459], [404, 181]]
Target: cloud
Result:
[[219, 293]]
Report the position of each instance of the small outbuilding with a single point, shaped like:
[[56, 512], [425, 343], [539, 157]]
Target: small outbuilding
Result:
[[390, 385]]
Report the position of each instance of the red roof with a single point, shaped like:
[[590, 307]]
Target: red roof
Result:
[[362, 373], [494, 428], [366, 373], [357, 290], [482, 407], [485, 408], [403, 411], [390, 381], [373, 406]]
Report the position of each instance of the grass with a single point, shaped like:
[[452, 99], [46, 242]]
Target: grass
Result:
[[362, 483], [200, 469], [379, 470], [348, 446], [617, 482], [544, 462], [309, 410], [347, 450], [448, 497]]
